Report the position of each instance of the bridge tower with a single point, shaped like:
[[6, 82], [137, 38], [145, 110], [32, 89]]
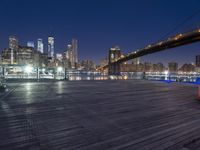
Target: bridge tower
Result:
[[114, 54]]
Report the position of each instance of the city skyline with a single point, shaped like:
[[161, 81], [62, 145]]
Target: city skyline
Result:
[[51, 53], [110, 23], [99, 74]]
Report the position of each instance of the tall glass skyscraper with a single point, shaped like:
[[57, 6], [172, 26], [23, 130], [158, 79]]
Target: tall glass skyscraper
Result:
[[72, 54], [40, 45], [50, 47], [75, 51]]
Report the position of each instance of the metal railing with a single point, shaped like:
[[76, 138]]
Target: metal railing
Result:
[[44, 73]]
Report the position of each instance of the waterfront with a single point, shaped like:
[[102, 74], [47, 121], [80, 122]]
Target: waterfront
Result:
[[132, 114]]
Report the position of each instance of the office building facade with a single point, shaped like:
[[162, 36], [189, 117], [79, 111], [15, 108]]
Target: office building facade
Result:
[[51, 47], [40, 46]]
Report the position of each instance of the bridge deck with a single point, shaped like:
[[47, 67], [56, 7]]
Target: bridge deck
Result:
[[93, 115]]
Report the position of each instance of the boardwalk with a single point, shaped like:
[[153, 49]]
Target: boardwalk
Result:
[[100, 115]]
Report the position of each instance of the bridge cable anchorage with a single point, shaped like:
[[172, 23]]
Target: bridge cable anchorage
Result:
[[180, 24]]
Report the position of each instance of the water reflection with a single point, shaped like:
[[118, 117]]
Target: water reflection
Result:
[[60, 87], [28, 93]]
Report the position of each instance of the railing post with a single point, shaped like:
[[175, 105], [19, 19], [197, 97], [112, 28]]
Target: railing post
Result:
[[65, 73], [38, 74], [3, 71], [55, 73]]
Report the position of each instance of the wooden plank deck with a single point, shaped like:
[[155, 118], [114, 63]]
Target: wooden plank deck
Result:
[[99, 115]]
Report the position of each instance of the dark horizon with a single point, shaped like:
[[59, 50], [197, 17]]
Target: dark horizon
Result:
[[100, 25]]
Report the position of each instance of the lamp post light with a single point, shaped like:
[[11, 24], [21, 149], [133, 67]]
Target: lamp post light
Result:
[[167, 75], [28, 70], [59, 71]]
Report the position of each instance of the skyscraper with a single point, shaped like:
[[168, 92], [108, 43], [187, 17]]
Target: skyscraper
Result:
[[75, 51], [71, 55], [13, 46], [50, 47], [40, 45], [13, 43], [69, 52]]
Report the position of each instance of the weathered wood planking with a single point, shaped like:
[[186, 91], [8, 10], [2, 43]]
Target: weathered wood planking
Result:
[[92, 115]]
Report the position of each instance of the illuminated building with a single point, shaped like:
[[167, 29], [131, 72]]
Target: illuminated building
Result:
[[50, 47], [22, 55], [13, 47], [159, 67], [13, 43], [30, 44], [58, 60], [74, 52], [148, 67], [187, 68], [71, 55], [198, 61], [136, 61], [128, 68], [6, 56], [88, 65], [25, 55], [59, 57], [40, 46], [9, 55], [173, 67]]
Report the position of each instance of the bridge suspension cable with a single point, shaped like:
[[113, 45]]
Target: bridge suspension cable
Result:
[[181, 24]]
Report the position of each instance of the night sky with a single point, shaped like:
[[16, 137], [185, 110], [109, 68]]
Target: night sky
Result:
[[101, 24]]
